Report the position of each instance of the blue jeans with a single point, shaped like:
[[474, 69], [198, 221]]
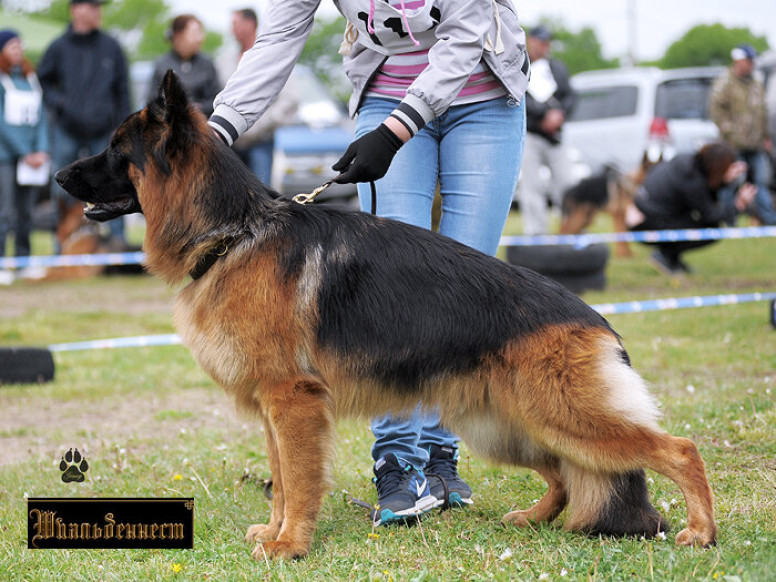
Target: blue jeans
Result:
[[759, 174], [474, 153], [258, 157], [16, 204], [67, 149]]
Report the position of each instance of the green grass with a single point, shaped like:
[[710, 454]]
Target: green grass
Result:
[[151, 423]]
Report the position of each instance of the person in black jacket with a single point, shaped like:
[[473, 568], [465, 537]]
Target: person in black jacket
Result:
[[684, 193], [195, 70], [549, 100], [85, 84]]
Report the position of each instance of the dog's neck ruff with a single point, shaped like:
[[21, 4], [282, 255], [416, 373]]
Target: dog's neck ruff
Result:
[[209, 258]]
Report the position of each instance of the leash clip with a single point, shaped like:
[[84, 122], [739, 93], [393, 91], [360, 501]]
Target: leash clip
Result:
[[306, 198]]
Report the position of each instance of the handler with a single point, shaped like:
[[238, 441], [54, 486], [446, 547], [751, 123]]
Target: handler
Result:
[[438, 87]]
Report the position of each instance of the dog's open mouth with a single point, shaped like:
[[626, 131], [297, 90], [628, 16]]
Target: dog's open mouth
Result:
[[103, 211]]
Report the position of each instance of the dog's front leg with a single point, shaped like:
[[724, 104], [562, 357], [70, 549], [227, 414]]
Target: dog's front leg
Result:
[[301, 415], [270, 531]]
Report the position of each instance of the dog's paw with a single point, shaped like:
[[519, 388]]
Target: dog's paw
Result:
[[279, 549], [260, 532], [518, 519], [688, 537], [73, 466]]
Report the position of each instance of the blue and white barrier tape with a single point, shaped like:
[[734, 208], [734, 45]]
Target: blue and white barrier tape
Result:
[[680, 303], [119, 342], [603, 309], [72, 260], [577, 240], [647, 236]]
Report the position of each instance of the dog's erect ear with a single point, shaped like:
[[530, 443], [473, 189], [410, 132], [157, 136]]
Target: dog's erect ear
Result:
[[170, 109], [172, 97]]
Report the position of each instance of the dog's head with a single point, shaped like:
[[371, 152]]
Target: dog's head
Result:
[[111, 182]]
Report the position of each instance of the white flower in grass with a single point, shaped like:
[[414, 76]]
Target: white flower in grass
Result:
[[544, 576], [505, 555], [564, 573], [661, 535], [690, 388]]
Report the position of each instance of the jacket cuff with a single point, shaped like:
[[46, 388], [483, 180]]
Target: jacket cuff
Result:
[[228, 123], [413, 113]]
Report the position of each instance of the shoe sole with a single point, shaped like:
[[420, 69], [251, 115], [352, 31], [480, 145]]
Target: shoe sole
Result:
[[422, 506], [457, 501]]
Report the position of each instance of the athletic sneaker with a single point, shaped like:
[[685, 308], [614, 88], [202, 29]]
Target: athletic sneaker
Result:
[[665, 264], [402, 491], [442, 471]]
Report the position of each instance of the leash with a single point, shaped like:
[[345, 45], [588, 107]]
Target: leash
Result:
[[307, 198]]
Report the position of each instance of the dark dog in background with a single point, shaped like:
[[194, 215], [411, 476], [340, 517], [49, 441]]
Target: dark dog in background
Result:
[[78, 236], [304, 313], [609, 191]]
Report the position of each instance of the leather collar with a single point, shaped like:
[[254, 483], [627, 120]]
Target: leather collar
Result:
[[209, 258]]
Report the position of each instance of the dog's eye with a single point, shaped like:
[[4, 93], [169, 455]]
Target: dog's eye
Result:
[[115, 156]]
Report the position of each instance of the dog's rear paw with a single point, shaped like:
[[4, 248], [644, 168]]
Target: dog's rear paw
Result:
[[261, 532], [688, 537], [280, 549]]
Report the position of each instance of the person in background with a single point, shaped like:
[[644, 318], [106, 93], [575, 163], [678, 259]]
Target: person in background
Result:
[[85, 84], [196, 71], [549, 101], [438, 88], [684, 193], [23, 138], [256, 146], [738, 107]]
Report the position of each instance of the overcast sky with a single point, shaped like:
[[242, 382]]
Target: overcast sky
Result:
[[657, 22]]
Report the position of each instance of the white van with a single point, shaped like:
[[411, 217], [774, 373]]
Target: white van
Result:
[[621, 114]]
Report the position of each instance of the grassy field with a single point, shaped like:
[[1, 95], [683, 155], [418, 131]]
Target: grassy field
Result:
[[152, 424]]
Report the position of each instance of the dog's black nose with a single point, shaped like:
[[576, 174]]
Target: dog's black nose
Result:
[[61, 176]]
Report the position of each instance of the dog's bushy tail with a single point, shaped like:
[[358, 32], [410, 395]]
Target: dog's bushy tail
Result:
[[614, 505]]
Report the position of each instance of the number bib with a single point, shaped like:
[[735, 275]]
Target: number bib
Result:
[[21, 107]]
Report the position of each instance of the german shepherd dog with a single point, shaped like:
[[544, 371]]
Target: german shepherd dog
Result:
[[607, 190], [303, 313]]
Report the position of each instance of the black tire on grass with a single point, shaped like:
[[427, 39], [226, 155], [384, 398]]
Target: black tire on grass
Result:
[[578, 269], [26, 365]]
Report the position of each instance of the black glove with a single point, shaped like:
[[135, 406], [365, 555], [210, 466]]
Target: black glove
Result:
[[369, 157]]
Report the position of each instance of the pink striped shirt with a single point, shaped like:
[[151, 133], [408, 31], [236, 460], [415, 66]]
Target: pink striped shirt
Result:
[[399, 71]]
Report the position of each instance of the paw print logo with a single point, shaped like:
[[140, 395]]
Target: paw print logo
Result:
[[73, 466]]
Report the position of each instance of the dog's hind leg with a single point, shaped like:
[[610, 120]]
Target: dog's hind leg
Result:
[[549, 506], [678, 459], [617, 503], [594, 412], [270, 531], [301, 414]]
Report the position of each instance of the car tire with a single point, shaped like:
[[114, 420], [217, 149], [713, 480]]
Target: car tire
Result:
[[578, 269], [26, 365]]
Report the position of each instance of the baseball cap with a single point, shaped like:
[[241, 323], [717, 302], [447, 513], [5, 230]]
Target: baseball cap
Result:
[[541, 32], [743, 51]]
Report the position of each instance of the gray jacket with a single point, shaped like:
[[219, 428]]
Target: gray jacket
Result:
[[468, 31]]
